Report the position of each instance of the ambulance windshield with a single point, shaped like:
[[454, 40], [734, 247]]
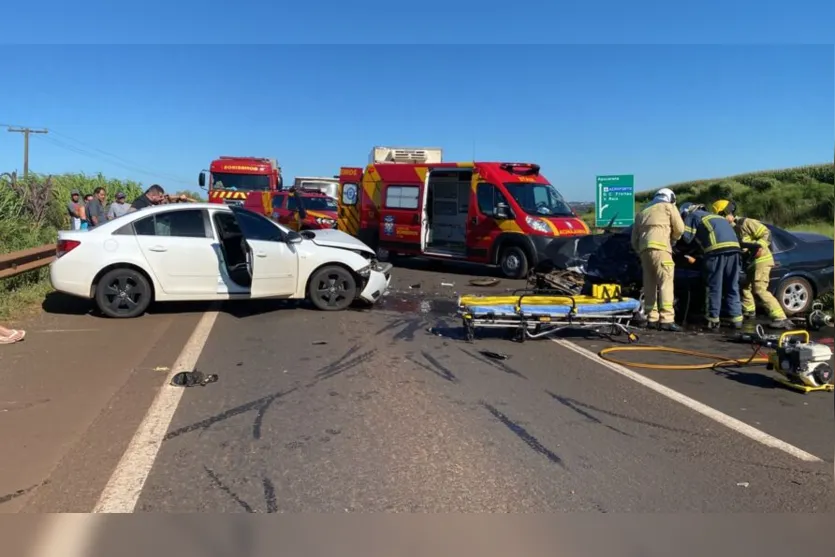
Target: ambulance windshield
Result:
[[240, 182], [539, 199]]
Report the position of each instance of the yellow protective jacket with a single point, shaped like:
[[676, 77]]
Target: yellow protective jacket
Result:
[[658, 226], [752, 231]]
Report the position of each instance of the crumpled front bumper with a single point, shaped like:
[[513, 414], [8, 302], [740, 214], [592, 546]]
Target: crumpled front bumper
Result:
[[377, 283]]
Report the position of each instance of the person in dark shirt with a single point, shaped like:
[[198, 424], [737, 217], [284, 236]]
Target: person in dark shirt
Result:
[[96, 213], [152, 196]]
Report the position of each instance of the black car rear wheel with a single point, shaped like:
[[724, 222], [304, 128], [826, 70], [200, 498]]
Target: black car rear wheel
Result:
[[795, 295]]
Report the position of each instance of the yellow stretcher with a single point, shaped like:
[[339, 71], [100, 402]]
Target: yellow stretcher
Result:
[[537, 314]]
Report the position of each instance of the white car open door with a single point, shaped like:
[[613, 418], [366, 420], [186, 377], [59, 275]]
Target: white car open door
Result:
[[273, 262]]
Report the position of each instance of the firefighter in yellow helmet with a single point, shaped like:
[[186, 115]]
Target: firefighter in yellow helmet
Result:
[[657, 227], [758, 273]]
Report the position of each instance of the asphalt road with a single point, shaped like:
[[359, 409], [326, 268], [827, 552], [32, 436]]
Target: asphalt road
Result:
[[396, 413], [393, 412]]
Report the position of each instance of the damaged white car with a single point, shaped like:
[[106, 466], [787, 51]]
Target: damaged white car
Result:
[[208, 251]]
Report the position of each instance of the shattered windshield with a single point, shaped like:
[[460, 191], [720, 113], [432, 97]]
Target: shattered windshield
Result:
[[539, 199], [240, 182]]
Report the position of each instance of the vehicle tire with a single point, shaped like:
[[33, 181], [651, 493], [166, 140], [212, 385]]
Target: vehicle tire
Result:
[[513, 262], [332, 288], [795, 295], [123, 293]]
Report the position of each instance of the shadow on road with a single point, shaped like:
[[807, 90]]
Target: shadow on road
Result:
[[447, 267], [63, 304]]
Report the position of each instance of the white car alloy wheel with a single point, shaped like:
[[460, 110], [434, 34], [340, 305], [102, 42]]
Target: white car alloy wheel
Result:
[[332, 288]]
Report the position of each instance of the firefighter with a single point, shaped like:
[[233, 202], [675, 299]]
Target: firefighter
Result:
[[758, 273], [657, 227], [721, 256]]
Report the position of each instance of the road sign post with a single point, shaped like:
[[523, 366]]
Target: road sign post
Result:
[[615, 199]]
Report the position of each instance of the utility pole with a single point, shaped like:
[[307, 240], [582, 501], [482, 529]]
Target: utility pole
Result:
[[26, 132]]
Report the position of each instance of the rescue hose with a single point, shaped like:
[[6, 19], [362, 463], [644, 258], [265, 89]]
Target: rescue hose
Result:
[[721, 361]]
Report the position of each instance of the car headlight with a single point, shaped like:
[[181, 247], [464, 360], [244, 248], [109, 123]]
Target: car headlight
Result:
[[537, 224], [365, 271], [323, 221]]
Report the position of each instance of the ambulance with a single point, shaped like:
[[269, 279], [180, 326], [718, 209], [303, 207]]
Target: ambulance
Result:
[[408, 202]]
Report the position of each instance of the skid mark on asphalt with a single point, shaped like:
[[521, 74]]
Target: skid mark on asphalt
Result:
[[408, 327], [260, 404], [269, 496], [343, 364], [20, 492], [224, 488], [436, 367], [501, 366], [576, 405], [523, 434]]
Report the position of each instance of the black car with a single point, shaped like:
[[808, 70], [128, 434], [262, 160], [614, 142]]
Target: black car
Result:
[[802, 272]]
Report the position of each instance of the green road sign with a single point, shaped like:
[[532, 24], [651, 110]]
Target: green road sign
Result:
[[615, 199]]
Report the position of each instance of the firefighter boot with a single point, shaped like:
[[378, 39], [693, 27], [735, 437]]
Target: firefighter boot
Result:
[[670, 327]]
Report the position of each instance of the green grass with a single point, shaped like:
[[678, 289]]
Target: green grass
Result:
[[824, 228], [790, 198], [31, 213]]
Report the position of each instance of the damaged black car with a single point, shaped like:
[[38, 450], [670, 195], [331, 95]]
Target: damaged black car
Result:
[[803, 269]]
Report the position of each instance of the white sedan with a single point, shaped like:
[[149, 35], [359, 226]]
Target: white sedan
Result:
[[208, 251]]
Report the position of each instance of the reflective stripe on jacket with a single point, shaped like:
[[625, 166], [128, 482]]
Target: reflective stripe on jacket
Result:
[[713, 233], [657, 227], [752, 231]]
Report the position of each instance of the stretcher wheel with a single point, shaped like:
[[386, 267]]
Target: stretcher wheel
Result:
[[632, 337], [469, 330]]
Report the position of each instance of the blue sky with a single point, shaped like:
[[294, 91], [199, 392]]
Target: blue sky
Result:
[[664, 113]]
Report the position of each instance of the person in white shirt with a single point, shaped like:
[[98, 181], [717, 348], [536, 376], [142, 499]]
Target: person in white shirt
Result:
[[118, 208]]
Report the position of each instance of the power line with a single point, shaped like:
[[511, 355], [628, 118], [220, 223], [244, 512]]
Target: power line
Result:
[[104, 156], [26, 132], [130, 167]]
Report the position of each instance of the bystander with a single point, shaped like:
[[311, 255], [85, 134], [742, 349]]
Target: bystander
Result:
[[75, 209], [118, 208]]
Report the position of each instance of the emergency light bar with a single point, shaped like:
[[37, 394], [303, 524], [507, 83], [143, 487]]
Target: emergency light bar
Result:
[[520, 168]]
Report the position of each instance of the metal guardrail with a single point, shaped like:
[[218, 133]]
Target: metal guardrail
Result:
[[17, 262]]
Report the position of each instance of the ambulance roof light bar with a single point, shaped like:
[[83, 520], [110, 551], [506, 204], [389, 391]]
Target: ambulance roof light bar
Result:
[[520, 168]]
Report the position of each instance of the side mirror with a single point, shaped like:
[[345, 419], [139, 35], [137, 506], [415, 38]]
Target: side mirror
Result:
[[201, 180], [294, 237], [502, 211]]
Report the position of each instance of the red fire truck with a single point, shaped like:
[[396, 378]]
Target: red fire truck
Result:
[[497, 213], [231, 180], [304, 209]]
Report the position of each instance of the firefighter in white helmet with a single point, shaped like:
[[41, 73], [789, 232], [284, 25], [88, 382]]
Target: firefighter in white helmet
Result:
[[657, 228]]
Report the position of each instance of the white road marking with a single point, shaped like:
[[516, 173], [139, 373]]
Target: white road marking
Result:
[[125, 485], [66, 535], [703, 409]]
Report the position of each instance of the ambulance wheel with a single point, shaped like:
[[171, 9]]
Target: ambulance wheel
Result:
[[513, 262], [332, 288]]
